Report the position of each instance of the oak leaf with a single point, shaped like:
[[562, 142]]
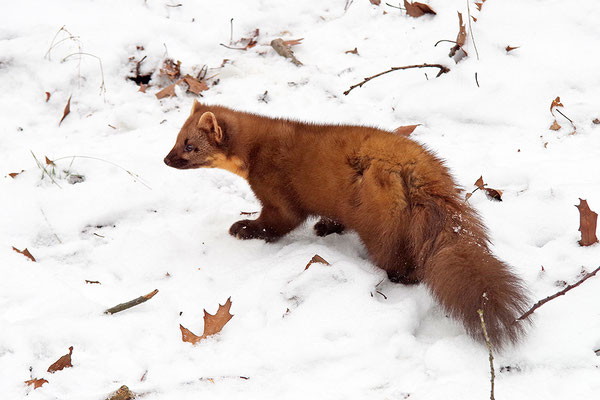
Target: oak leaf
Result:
[[25, 252], [587, 224], [62, 363], [213, 324], [66, 111], [36, 383], [405, 130], [316, 259], [416, 9]]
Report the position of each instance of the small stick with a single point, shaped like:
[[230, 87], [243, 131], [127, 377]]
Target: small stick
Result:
[[393, 6], [565, 116], [445, 40], [231, 31], [129, 304], [476, 81], [489, 346], [565, 290], [442, 68], [232, 48]]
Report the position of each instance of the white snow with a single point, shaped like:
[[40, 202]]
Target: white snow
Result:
[[341, 339]]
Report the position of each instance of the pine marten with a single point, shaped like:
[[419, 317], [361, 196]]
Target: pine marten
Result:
[[398, 196]]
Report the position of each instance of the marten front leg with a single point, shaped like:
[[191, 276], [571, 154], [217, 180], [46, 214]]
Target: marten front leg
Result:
[[326, 226], [272, 224]]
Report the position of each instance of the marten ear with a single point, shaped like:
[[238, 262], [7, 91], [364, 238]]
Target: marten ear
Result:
[[194, 107], [208, 122]]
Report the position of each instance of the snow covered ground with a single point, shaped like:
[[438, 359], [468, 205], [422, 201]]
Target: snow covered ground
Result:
[[349, 333]]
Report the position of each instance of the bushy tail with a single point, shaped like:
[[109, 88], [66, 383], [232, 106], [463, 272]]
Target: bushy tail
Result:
[[464, 276]]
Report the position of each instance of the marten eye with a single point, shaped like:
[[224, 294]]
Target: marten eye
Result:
[[188, 147]]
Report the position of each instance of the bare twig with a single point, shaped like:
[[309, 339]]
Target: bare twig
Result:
[[231, 31], [476, 80], [560, 112], [489, 346], [444, 40], [232, 48], [348, 4], [471, 30], [132, 303], [562, 292], [393, 6], [442, 68]]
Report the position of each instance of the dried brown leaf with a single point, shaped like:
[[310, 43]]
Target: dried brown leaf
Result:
[[405, 130], [123, 393], [355, 51], [213, 324], [194, 85], [25, 252], [375, 2], [468, 196], [510, 48], [493, 194], [416, 9], [479, 182], [478, 5], [66, 111], [143, 88], [587, 224], [555, 126], [49, 161], [62, 363], [169, 91], [14, 174], [461, 38], [48, 96], [316, 259], [596, 121], [284, 51], [36, 383], [555, 103]]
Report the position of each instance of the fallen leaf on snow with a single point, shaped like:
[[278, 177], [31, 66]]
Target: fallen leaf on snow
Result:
[[461, 38], [194, 85], [587, 224], [123, 393], [293, 42], [212, 324], [596, 121], [316, 259], [375, 2], [62, 363], [49, 161], [355, 51], [171, 69], [66, 112], [479, 182], [555, 126], [493, 194], [169, 91], [417, 9], [47, 96], [14, 174], [510, 48], [555, 103], [25, 252], [405, 130], [36, 383]]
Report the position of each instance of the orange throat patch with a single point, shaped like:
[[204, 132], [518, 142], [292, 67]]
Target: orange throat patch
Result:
[[232, 164]]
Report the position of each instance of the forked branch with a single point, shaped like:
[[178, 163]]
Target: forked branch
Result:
[[443, 70]]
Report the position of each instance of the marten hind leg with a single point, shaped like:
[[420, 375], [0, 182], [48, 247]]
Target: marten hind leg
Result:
[[273, 223], [326, 226]]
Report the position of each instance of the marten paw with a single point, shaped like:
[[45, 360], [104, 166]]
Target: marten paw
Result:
[[326, 226], [248, 229]]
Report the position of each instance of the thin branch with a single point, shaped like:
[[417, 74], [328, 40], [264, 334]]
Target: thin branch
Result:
[[233, 48], [445, 40], [442, 68], [560, 112], [393, 6], [231, 31], [471, 30], [562, 292], [476, 80], [489, 346], [132, 303]]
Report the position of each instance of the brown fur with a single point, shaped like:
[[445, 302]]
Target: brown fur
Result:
[[395, 194]]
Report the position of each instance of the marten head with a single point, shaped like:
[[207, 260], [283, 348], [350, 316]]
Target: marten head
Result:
[[202, 143]]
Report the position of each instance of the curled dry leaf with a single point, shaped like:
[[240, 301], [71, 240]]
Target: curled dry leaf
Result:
[[47, 96], [49, 161], [405, 130], [555, 126], [194, 85], [375, 2], [123, 393], [36, 383], [479, 183], [587, 224], [461, 38], [416, 9], [285, 51], [212, 324], [493, 194], [355, 51], [62, 363], [596, 121], [555, 103], [510, 48], [25, 252], [316, 259], [66, 111], [169, 91]]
